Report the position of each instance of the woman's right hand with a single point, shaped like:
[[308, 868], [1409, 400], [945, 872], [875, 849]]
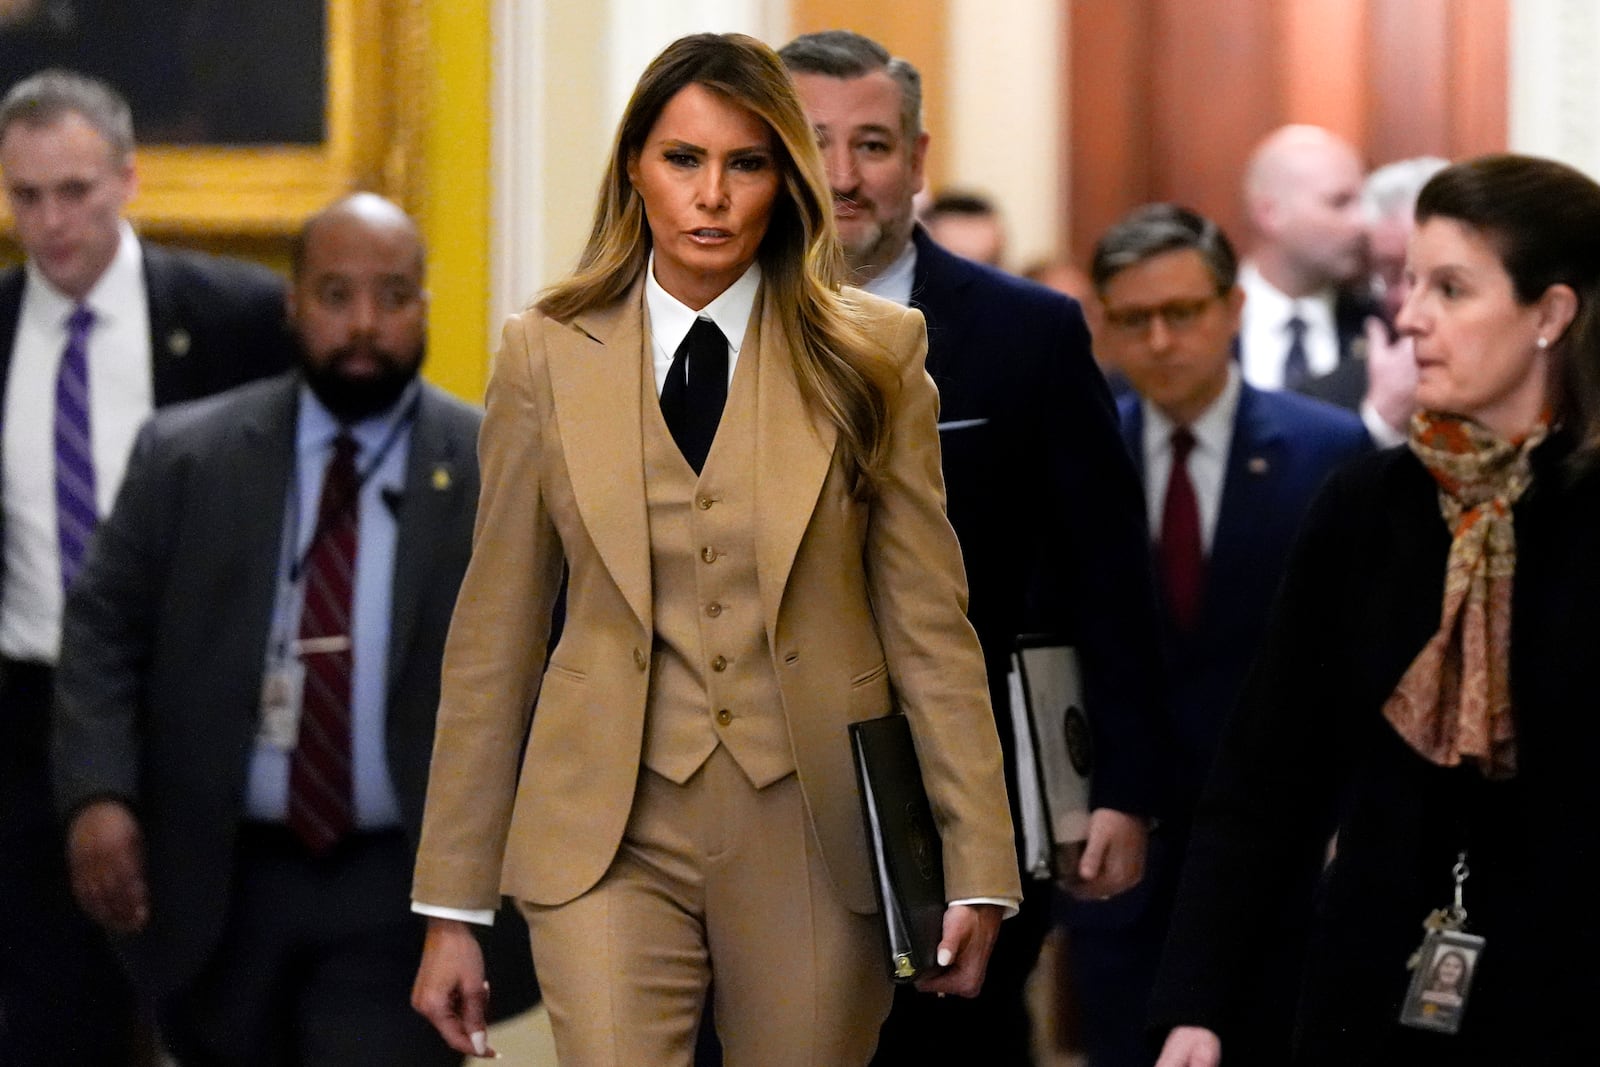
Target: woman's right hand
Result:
[[1191, 1046], [450, 990]]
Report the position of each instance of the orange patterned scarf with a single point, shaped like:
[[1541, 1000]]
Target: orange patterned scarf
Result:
[[1454, 701]]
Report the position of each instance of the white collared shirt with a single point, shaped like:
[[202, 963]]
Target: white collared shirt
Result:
[[1264, 330], [671, 319], [121, 398], [895, 282], [1208, 460]]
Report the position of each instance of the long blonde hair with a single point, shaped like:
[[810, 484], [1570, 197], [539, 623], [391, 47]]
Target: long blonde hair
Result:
[[843, 372]]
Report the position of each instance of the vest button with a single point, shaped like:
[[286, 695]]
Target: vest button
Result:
[[639, 659], [713, 609], [724, 717], [719, 664], [704, 503], [708, 554]]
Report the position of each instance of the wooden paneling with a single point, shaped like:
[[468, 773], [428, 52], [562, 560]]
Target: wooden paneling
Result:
[[1409, 90], [1109, 140], [1214, 97], [1318, 88], [1480, 68], [1169, 96]]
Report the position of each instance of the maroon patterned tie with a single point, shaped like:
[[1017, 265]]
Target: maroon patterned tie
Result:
[[320, 799], [1182, 559]]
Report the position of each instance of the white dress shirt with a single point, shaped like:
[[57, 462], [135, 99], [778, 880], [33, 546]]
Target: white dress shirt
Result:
[[895, 282], [670, 319], [1208, 460], [121, 398], [1264, 330]]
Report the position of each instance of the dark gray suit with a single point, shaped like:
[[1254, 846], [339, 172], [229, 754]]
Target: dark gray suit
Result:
[[158, 688], [214, 323]]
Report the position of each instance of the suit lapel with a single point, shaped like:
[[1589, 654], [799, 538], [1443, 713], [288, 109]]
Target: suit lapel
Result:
[[169, 335], [1251, 483], [433, 497], [596, 377], [794, 450], [10, 311], [264, 458], [936, 288], [1131, 423]]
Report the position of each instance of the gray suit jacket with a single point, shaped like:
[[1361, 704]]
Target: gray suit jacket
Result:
[[158, 687]]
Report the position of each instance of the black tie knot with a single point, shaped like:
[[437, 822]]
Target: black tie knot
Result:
[[1183, 442]]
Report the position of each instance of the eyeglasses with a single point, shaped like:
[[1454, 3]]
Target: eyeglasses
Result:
[[1176, 315]]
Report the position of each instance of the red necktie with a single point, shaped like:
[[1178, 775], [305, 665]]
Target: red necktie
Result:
[[1182, 561], [320, 799]]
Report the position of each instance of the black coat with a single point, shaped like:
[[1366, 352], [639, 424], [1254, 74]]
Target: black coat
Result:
[[1309, 752]]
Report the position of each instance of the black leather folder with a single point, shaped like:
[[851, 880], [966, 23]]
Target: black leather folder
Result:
[[904, 840]]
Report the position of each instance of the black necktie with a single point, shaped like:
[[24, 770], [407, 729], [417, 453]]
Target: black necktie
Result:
[[696, 390], [1296, 367]]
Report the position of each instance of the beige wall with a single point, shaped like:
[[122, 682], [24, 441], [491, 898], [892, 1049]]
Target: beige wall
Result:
[[1004, 83]]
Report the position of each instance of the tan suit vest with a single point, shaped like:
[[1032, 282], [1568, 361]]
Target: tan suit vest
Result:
[[712, 678]]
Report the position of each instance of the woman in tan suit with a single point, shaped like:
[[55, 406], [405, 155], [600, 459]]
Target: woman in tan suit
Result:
[[737, 462]]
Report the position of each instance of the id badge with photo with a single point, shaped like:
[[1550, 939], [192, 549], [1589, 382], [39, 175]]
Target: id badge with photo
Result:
[[281, 690], [1442, 981]]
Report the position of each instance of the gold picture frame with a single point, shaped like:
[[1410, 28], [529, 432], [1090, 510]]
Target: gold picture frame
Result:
[[376, 51]]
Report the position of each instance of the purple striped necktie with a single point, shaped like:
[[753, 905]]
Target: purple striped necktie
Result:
[[321, 801], [76, 515]]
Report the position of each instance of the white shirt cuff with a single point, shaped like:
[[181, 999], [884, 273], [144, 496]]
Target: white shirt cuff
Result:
[[1011, 906], [1383, 435], [466, 915]]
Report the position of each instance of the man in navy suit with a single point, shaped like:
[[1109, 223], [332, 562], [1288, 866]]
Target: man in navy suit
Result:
[[143, 327], [1039, 491], [1229, 471]]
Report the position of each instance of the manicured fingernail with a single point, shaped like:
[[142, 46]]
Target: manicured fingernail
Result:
[[945, 956], [480, 1042]]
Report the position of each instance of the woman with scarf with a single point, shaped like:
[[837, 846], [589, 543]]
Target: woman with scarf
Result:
[[1426, 697]]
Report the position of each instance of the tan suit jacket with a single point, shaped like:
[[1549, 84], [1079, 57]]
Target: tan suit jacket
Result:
[[864, 605]]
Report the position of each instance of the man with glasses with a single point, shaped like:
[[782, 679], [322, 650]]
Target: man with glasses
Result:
[[1228, 472]]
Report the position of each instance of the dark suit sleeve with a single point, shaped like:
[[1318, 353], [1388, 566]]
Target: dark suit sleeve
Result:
[[1097, 584], [107, 636]]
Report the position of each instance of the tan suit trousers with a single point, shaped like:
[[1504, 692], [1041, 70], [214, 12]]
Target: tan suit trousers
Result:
[[714, 877]]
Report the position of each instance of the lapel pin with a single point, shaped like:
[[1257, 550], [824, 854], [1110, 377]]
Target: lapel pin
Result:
[[178, 342], [1257, 465], [441, 477]]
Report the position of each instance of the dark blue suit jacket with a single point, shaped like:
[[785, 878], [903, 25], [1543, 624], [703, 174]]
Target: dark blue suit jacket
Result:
[[1045, 503], [1284, 446]]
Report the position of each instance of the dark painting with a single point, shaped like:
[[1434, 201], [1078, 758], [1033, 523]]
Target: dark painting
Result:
[[196, 72]]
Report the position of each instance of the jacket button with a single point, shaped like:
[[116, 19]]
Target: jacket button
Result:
[[708, 554], [704, 503], [719, 664], [724, 717], [713, 609], [639, 659]]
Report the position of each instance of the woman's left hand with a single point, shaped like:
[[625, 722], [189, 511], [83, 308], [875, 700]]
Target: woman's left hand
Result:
[[969, 933]]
